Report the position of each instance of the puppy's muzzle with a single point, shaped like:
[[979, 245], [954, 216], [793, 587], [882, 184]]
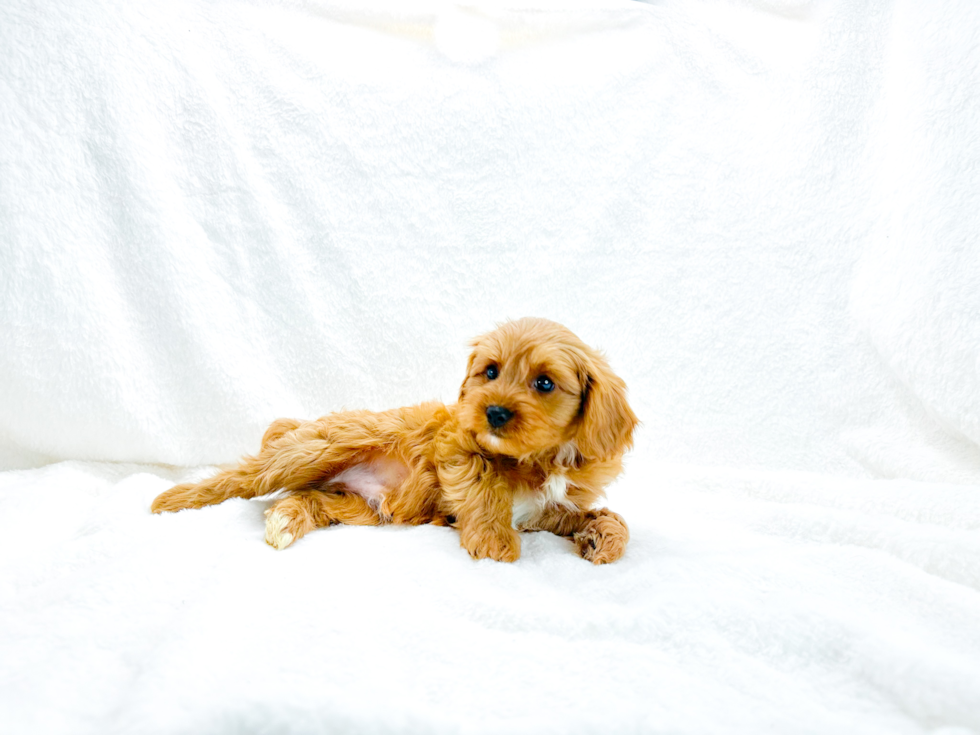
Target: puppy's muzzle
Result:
[[497, 416]]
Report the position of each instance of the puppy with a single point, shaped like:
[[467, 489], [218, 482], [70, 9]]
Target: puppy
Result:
[[539, 430]]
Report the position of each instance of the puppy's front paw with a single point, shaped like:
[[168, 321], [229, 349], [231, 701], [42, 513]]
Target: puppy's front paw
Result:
[[499, 544], [604, 538]]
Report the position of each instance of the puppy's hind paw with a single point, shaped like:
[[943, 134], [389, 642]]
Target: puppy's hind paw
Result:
[[277, 529], [177, 498]]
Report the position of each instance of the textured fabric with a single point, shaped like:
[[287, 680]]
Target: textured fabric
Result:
[[217, 213], [748, 601]]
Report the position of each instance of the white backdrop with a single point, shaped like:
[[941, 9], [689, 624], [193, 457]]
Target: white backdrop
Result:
[[215, 213]]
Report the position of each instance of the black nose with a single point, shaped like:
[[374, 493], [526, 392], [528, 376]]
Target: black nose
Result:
[[497, 416]]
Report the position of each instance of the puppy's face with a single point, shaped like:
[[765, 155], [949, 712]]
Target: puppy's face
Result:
[[532, 385]]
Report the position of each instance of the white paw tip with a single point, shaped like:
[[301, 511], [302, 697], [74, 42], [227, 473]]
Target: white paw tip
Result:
[[275, 531]]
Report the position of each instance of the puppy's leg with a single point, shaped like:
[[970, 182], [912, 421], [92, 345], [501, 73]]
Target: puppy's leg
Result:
[[482, 505], [600, 535], [300, 512], [292, 461]]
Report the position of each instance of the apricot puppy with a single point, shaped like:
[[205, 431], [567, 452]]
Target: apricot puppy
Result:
[[539, 430]]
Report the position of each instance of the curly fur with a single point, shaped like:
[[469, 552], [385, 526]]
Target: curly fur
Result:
[[449, 465]]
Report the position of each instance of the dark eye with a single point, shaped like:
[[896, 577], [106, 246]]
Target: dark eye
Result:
[[544, 384], [492, 372]]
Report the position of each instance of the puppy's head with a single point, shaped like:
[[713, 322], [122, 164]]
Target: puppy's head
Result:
[[531, 386]]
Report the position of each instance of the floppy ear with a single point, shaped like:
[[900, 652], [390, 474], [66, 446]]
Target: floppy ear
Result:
[[607, 421], [469, 366]]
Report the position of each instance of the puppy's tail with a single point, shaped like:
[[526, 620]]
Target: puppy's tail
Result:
[[278, 429]]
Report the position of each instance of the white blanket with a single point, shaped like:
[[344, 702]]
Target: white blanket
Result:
[[216, 213], [747, 602]]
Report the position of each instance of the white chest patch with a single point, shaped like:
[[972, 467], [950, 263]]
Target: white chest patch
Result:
[[530, 503]]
